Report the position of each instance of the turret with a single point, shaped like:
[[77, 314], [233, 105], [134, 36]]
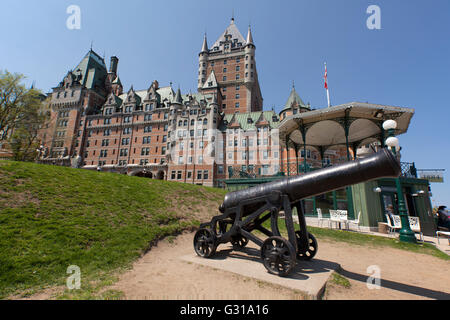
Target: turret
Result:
[[202, 60], [249, 50]]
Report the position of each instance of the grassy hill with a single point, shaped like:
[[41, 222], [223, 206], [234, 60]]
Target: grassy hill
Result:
[[53, 217]]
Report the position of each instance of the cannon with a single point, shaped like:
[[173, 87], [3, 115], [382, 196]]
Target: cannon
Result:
[[245, 211]]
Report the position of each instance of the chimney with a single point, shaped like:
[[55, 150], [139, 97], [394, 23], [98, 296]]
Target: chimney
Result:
[[113, 65]]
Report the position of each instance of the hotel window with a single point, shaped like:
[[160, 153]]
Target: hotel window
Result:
[[146, 140], [200, 144], [163, 150], [200, 159], [220, 169], [224, 106], [145, 151], [205, 174], [199, 174], [237, 96], [237, 105], [265, 154], [192, 122], [237, 77], [244, 142], [126, 130], [105, 142], [189, 174], [250, 155], [107, 121], [244, 155], [189, 160], [230, 156], [127, 119], [178, 175], [172, 175], [224, 69], [224, 61], [148, 117], [238, 60], [148, 129], [238, 68], [123, 152], [164, 139], [224, 78], [238, 87], [107, 132]]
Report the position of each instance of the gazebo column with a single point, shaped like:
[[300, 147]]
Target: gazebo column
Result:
[[296, 158], [349, 188], [287, 157], [303, 130]]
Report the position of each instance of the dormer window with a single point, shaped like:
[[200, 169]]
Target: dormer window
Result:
[[210, 84], [249, 120]]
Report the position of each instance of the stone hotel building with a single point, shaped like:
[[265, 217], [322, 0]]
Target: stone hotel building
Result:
[[218, 133]]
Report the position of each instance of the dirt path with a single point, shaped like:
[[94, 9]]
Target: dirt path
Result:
[[161, 274]]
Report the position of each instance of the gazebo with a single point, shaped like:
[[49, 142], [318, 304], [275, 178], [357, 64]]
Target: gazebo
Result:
[[349, 126]]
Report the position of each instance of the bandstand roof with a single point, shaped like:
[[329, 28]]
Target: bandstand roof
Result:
[[326, 127]]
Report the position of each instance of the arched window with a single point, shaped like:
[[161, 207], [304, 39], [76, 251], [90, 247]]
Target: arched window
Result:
[[205, 121], [180, 123], [185, 123], [192, 122]]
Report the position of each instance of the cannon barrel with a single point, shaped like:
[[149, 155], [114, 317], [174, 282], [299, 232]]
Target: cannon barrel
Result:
[[383, 164]]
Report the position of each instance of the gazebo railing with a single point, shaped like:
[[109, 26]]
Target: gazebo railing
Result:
[[408, 169]]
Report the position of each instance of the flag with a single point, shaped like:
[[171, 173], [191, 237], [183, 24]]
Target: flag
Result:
[[325, 77]]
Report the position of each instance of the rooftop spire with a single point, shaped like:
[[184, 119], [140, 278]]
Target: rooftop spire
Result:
[[205, 44], [249, 37], [178, 98]]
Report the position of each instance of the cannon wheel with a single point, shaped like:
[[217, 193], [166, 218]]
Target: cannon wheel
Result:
[[278, 256], [204, 243], [239, 241], [312, 247]]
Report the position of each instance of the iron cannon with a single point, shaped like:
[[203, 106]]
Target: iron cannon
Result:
[[246, 210]]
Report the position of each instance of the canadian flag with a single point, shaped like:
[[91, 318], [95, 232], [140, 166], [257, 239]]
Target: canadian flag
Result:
[[325, 77]]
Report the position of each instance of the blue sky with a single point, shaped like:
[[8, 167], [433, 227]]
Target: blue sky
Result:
[[406, 63]]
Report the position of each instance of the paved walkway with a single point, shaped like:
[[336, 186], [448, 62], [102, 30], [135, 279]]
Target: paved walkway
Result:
[[444, 244]]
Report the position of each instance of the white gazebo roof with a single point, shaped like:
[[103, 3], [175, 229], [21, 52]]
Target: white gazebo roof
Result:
[[327, 127]]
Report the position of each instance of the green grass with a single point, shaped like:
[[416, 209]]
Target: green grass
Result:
[[340, 280], [52, 217], [367, 240]]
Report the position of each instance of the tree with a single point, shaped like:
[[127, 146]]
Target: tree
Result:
[[21, 116]]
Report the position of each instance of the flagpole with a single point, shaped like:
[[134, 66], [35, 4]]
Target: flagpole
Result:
[[328, 97], [326, 85]]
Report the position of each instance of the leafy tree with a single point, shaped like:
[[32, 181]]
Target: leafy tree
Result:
[[21, 116]]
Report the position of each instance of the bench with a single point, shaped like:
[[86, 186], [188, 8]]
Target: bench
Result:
[[445, 233]]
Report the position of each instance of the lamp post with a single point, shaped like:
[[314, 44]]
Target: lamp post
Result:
[[405, 233]]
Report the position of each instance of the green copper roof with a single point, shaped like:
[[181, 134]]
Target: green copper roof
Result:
[[294, 98], [92, 69], [245, 124]]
